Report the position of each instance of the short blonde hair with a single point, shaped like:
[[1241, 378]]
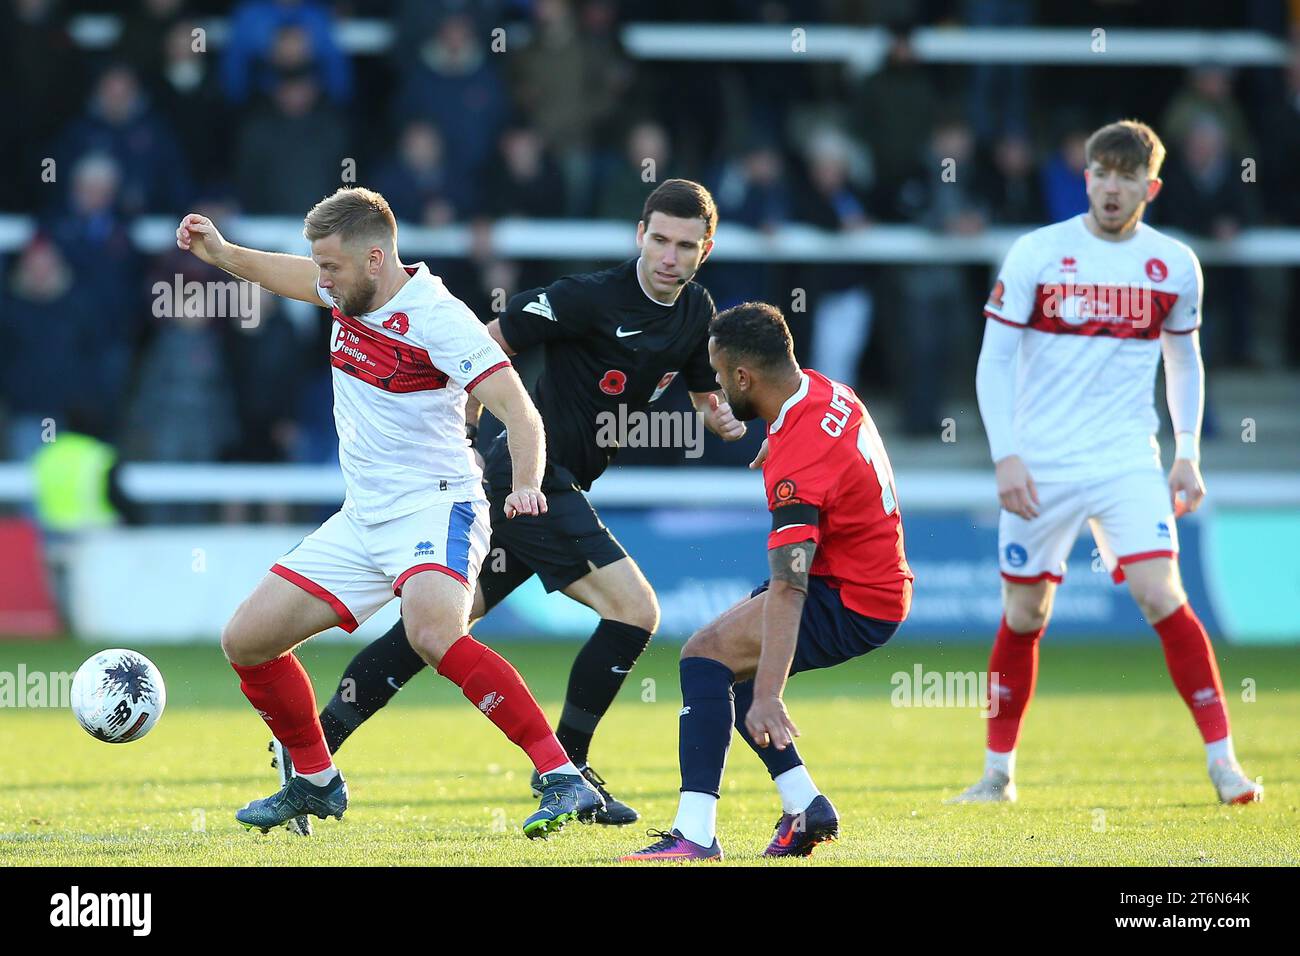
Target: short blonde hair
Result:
[[354, 213]]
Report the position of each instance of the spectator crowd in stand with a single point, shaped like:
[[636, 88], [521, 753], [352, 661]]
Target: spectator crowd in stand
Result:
[[530, 108]]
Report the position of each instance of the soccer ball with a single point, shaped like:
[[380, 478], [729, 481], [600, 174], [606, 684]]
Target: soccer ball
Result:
[[118, 696]]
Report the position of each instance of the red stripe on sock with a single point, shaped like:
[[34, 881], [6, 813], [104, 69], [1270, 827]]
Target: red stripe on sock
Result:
[[489, 683], [1014, 661], [282, 694], [1190, 657]]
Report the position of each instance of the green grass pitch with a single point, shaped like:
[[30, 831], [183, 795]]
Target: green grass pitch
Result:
[[1111, 769]]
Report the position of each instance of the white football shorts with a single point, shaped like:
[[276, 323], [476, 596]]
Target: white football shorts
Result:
[[1131, 518], [357, 568]]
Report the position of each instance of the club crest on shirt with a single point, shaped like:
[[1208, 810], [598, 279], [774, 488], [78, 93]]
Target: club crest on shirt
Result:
[[1157, 271], [398, 322], [995, 297], [663, 384]]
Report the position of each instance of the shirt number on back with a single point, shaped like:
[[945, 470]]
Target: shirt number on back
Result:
[[873, 452], [869, 446]]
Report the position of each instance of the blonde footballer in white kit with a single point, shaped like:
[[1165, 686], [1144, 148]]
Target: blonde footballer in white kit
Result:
[[1081, 312], [405, 355]]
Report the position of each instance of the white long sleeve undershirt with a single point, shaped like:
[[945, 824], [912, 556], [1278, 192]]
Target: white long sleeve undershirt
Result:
[[1184, 390], [995, 386]]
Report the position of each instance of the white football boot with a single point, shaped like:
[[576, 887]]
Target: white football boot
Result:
[[282, 762], [994, 787], [1232, 783]]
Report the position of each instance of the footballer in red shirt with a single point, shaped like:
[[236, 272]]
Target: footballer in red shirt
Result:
[[839, 587]]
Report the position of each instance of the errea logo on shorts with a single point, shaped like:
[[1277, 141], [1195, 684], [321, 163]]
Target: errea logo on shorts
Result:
[[423, 549]]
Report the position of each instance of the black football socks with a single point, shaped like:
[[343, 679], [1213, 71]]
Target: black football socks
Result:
[[598, 672], [776, 761], [379, 671], [704, 726]]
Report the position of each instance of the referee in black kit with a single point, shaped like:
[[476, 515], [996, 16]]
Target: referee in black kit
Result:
[[613, 341]]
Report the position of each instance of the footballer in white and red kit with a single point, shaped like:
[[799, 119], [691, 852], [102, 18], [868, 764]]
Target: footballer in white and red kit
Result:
[[1081, 313], [405, 354], [415, 497]]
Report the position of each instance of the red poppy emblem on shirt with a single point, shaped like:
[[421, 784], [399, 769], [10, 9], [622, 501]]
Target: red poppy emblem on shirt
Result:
[[1157, 271], [614, 382]]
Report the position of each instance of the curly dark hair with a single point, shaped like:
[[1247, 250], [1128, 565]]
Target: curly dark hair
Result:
[[755, 331]]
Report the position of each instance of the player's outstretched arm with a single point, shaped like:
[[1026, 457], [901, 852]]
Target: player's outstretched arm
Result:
[[718, 416], [503, 394], [768, 721], [293, 277]]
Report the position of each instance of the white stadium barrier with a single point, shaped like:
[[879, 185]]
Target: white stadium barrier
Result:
[[569, 239], [924, 489], [181, 582], [860, 48]]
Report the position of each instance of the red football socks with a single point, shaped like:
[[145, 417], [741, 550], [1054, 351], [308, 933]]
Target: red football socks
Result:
[[489, 682], [281, 692], [1195, 672], [1015, 662]]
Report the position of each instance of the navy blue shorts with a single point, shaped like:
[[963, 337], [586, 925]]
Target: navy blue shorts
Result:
[[829, 633]]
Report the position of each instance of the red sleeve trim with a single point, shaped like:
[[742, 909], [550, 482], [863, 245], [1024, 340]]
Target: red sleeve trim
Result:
[[998, 318], [409, 572], [1118, 574], [1034, 579], [346, 620], [792, 535], [1181, 331], [495, 368]]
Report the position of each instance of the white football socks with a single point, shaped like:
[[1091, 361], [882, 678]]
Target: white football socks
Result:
[[697, 817], [1001, 762], [1220, 750], [566, 767], [321, 777], [796, 788]]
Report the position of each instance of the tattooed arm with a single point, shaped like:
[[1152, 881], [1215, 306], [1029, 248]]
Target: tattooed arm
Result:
[[767, 720]]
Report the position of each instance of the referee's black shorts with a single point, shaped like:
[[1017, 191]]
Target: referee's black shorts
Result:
[[566, 543]]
